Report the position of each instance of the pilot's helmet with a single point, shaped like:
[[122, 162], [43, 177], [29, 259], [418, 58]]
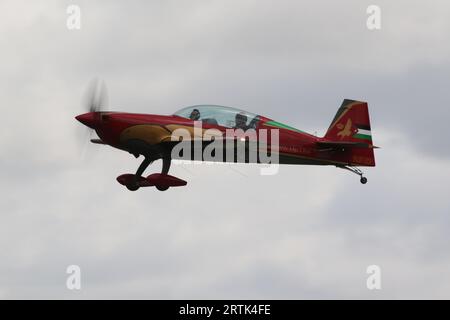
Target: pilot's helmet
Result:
[[195, 114], [241, 118]]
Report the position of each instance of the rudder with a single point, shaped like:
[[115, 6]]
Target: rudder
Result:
[[352, 124]]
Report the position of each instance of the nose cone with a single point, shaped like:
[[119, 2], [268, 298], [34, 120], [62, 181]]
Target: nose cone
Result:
[[88, 119]]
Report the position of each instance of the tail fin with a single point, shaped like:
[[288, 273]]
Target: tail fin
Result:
[[352, 124]]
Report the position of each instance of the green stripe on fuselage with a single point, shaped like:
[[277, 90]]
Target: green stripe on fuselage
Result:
[[362, 136], [282, 126]]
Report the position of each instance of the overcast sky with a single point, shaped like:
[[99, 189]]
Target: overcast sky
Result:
[[307, 232]]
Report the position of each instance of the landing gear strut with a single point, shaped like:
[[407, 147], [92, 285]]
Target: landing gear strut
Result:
[[165, 170], [357, 171], [133, 184]]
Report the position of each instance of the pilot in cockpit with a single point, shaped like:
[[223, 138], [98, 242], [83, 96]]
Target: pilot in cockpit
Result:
[[195, 115], [241, 121]]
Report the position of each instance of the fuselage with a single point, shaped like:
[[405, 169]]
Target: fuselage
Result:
[[133, 132]]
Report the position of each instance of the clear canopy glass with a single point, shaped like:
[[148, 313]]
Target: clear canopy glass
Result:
[[220, 115]]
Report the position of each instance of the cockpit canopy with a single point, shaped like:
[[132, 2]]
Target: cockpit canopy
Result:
[[220, 115]]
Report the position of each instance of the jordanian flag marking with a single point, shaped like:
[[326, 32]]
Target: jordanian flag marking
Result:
[[363, 132]]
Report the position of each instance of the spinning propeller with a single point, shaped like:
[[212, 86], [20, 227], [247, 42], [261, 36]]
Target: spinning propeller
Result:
[[96, 96], [94, 101]]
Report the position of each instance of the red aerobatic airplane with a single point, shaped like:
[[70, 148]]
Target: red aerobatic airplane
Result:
[[347, 143]]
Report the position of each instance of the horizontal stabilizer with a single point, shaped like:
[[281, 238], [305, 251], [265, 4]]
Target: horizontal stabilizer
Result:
[[342, 145], [97, 141]]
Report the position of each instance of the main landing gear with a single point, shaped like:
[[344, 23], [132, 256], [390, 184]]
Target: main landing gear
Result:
[[162, 181], [357, 171]]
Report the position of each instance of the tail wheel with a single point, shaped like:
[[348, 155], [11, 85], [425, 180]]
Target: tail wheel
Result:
[[355, 170]]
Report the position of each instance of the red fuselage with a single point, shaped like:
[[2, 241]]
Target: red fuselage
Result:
[[295, 146]]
